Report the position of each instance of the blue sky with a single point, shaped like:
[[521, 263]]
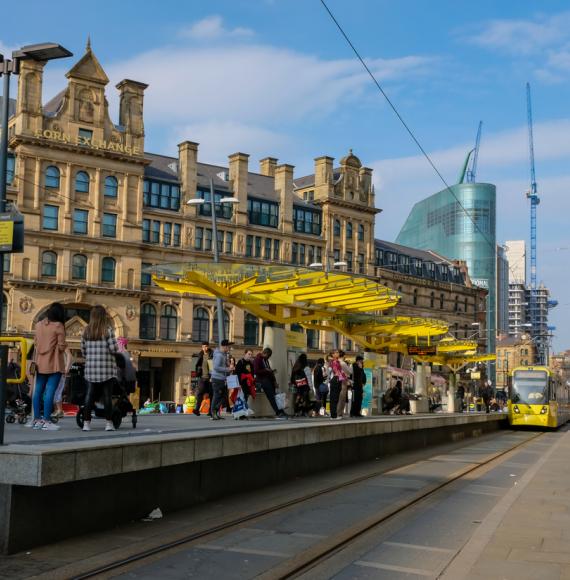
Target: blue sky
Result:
[[274, 77]]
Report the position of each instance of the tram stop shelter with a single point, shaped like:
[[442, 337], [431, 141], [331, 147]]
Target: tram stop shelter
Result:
[[351, 305]]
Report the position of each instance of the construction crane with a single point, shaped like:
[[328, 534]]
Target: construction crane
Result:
[[532, 195], [472, 173]]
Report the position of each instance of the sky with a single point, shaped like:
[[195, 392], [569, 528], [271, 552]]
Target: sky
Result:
[[275, 78]]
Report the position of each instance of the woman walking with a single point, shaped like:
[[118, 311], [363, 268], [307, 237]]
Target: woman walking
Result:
[[99, 347], [49, 349], [300, 381]]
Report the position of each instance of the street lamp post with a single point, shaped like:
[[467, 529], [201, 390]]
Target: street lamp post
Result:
[[224, 200], [8, 67]]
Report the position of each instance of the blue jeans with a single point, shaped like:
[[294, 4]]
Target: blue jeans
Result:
[[45, 384]]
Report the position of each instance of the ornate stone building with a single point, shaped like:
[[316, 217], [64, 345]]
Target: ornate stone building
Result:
[[98, 209]]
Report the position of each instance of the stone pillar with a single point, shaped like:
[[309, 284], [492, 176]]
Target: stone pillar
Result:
[[421, 405], [451, 400], [267, 166], [323, 176], [37, 184], [238, 171], [275, 338], [284, 187]]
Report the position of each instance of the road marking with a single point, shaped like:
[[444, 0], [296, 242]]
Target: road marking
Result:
[[244, 550], [418, 547], [378, 566]]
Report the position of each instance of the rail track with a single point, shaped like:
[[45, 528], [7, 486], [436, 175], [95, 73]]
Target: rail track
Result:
[[303, 562]]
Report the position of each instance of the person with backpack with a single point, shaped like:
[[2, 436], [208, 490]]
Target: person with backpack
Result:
[[99, 348], [50, 364]]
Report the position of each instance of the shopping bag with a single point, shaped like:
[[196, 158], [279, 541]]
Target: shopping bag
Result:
[[240, 408], [281, 400], [205, 406], [233, 382]]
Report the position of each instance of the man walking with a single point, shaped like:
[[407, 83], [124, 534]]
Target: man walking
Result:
[[203, 374], [358, 382], [220, 370], [265, 377]]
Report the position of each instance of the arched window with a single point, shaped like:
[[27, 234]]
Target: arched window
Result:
[[251, 330], [108, 270], [337, 228], [148, 322], [360, 233], [82, 182], [79, 267], [431, 299], [168, 323], [201, 325], [415, 296], [111, 186], [49, 264], [441, 301], [349, 231], [312, 338], [52, 177], [226, 326]]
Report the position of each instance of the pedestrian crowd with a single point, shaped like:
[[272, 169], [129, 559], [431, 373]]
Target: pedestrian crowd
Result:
[[229, 384]]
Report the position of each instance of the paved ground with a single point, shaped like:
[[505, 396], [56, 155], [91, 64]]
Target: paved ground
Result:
[[154, 424], [511, 520]]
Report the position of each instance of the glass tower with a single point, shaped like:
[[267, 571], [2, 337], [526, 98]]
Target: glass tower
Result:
[[460, 224]]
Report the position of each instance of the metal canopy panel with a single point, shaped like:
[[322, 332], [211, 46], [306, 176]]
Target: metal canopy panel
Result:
[[334, 301], [320, 293]]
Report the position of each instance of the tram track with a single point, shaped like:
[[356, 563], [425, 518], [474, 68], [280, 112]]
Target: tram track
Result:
[[310, 558]]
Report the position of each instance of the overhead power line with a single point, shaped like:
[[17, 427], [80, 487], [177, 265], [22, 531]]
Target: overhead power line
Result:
[[407, 127]]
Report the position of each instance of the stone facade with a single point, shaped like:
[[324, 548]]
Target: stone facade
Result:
[[513, 352], [98, 210]]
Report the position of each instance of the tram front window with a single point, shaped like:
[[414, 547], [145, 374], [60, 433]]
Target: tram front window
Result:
[[530, 388]]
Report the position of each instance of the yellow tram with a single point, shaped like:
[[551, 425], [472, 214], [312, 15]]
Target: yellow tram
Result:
[[537, 398]]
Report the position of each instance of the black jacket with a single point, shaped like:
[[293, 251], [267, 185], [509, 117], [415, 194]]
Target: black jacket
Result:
[[358, 377], [318, 376], [201, 362]]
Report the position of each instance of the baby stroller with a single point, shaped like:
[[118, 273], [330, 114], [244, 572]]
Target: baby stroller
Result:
[[18, 404], [124, 385]]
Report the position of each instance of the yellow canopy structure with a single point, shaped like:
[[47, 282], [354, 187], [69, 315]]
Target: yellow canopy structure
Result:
[[285, 294], [333, 301]]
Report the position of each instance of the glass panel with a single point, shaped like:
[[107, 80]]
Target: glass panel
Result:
[[155, 237], [52, 177], [198, 240], [79, 267], [109, 225], [176, 237], [10, 168], [111, 186], [108, 270], [148, 322], [146, 231], [80, 221], [82, 182], [51, 215]]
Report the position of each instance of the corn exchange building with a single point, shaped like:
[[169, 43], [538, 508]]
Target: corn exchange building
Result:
[[99, 209]]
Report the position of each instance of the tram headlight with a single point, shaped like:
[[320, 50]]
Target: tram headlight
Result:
[[516, 409], [544, 410]]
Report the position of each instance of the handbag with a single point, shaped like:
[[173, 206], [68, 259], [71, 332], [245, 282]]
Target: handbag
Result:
[[281, 401], [232, 381], [33, 369], [302, 382]]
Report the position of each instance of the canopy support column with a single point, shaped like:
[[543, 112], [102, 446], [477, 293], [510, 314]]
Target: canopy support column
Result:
[[422, 404], [451, 398]]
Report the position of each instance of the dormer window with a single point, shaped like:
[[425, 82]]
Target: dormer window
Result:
[[85, 135]]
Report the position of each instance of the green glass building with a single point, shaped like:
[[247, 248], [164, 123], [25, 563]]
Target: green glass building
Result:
[[460, 224]]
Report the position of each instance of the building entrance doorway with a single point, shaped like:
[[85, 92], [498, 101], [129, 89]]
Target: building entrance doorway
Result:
[[155, 378]]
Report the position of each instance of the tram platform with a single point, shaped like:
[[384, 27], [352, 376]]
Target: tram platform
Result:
[[175, 461]]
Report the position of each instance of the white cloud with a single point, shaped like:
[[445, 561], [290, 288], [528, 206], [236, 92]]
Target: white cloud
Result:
[[524, 37], [218, 139], [211, 28]]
